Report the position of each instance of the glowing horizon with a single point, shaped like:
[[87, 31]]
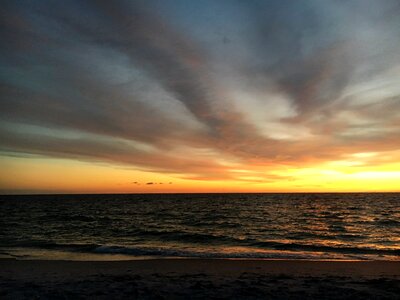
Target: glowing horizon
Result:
[[200, 96]]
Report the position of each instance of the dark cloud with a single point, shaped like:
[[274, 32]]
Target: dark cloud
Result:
[[154, 46]]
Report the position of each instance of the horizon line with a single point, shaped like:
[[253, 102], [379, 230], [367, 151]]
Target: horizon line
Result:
[[201, 193]]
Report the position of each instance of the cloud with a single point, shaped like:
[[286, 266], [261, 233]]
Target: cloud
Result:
[[130, 83], [151, 183]]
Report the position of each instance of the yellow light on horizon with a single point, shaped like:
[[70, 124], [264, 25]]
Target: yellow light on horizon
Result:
[[39, 174]]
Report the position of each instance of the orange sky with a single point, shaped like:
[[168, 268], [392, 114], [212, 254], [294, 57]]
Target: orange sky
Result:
[[42, 175]]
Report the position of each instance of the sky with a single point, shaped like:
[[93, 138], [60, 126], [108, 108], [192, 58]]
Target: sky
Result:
[[199, 96]]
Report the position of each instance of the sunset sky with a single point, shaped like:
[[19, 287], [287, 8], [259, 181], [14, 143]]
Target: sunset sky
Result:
[[199, 96]]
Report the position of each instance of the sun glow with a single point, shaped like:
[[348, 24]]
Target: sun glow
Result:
[[44, 175]]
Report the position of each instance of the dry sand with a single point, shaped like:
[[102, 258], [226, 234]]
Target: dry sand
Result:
[[199, 279]]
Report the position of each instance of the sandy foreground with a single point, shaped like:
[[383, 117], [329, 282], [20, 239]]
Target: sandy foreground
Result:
[[199, 279]]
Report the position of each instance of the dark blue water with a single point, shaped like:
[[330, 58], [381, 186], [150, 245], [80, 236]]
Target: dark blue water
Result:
[[271, 226]]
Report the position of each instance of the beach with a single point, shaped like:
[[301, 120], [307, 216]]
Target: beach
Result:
[[199, 279]]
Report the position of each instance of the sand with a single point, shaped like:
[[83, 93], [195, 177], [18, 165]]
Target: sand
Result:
[[199, 279]]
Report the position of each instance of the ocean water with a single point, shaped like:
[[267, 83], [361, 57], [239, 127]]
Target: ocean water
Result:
[[263, 226]]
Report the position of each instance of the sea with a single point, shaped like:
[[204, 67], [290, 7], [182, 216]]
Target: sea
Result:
[[308, 226]]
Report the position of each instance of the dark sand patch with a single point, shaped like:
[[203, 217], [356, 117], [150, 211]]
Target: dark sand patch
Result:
[[199, 279]]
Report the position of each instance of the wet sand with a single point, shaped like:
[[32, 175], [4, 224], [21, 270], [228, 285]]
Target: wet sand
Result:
[[199, 279]]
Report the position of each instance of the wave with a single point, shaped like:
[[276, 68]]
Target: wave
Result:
[[322, 248], [266, 250], [389, 223], [191, 237], [163, 252], [146, 251], [303, 253], [80, 247], [181, 239]]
